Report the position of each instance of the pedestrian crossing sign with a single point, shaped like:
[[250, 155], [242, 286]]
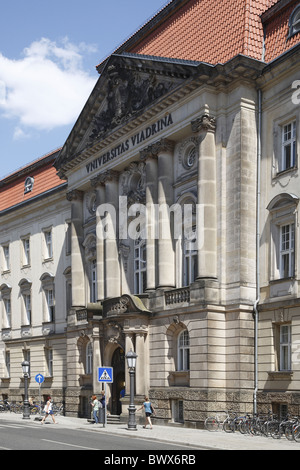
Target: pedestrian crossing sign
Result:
[[105, 374]]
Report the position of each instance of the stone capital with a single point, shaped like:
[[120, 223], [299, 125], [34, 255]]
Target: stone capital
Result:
[[204, 123], [153, 150], [74, 195], [97, 181]]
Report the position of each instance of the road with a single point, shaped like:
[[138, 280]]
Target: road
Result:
[[35, 436]]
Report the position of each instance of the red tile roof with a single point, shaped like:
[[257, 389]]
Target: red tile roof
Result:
[[277, 30], [45, 178], [212, 32]]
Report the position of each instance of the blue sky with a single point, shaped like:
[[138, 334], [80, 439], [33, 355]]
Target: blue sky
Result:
[[48, 53]]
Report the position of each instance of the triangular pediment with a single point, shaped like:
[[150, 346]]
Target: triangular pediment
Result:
[[128, 86]]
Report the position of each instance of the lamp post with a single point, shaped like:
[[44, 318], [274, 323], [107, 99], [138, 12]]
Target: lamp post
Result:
[[25, 368], [131, 362]]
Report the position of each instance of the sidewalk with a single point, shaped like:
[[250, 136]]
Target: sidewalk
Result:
[[193, 438]]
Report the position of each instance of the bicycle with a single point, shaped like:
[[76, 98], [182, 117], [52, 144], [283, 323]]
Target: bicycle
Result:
[[230, 423], [285, 427], [214, 423], [58, 409]]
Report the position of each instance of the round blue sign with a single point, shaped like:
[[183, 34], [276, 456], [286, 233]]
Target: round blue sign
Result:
[[39, 378]]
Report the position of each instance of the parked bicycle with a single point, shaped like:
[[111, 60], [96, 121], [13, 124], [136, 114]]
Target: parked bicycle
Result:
[[214, 423]]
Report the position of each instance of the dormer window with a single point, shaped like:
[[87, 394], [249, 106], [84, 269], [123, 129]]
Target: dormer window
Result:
[[28, 184], [294, 22]]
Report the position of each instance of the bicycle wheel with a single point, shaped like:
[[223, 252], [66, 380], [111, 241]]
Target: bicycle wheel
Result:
[[277, 431], [296, 433], [289, 431], [228, 425], [271, 427], [211, 424]]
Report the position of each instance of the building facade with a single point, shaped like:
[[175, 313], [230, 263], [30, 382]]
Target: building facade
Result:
[[182, 189], [35, 261]]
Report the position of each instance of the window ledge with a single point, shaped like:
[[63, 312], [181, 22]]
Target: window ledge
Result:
[[282, 279], [281, 374], [285, 171], [179, 378]]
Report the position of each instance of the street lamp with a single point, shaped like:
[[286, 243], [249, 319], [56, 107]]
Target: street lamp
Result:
[[25, 367], [131, 363]]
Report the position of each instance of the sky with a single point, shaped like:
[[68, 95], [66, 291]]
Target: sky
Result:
[[49, 50]]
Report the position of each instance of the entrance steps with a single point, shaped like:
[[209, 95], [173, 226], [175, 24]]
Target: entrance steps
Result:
[[113, 419]]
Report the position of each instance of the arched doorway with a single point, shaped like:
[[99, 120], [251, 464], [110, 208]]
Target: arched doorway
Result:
[[118, 364]]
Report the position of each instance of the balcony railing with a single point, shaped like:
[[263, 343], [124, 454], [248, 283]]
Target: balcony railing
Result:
[[177, 296]]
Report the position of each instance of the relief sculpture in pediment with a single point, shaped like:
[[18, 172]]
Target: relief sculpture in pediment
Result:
[[127, 92]]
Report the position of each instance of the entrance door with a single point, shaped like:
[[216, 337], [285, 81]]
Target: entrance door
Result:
[[118, 364]]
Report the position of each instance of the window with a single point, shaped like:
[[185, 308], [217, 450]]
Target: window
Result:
[[139, 266], [50, 304], [25, 295], [294, 22], [184, 351], [48, 244], [68, 238], [49, 361], [27, 308], [288, 159], [28, 187], [189, 262], [6, 258], [6, 302], [7, 311], [89, 358], [7, 363], [26, 251], [283, 246], [93, 289], [48, 283], [287, 257], [285, 348]]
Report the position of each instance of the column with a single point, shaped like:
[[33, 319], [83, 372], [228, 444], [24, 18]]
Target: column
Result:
[[151, 200], [141, 365], [207, 205], [96, 359], [77, 262], [98, 184], [111, 261], [166, 252]]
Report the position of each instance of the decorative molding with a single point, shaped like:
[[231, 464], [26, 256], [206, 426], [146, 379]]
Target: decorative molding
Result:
[[204, 123], [74, 195]]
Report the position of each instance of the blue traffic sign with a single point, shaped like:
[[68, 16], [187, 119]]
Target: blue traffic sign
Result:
[[39, 378], [105, 374]]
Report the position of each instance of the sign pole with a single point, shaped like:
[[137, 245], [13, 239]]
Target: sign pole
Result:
[[105, 405], [105, 374], [39, 378], [40, 399]]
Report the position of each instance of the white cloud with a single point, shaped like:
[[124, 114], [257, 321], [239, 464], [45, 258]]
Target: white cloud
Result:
[[20, 134], [47, 88]]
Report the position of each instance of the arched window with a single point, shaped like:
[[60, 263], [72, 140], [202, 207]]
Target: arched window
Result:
[[139, 266], [294, 22], [184, 351]]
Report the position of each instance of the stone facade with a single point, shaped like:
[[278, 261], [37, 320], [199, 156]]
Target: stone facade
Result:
[[195, 145]]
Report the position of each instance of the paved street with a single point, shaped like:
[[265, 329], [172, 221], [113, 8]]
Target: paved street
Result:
[[24, 435], [76, 433]]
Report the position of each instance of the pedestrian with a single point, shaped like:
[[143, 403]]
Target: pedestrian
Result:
[[149, 410], [95, 405], [48, 411], [102, 399]]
